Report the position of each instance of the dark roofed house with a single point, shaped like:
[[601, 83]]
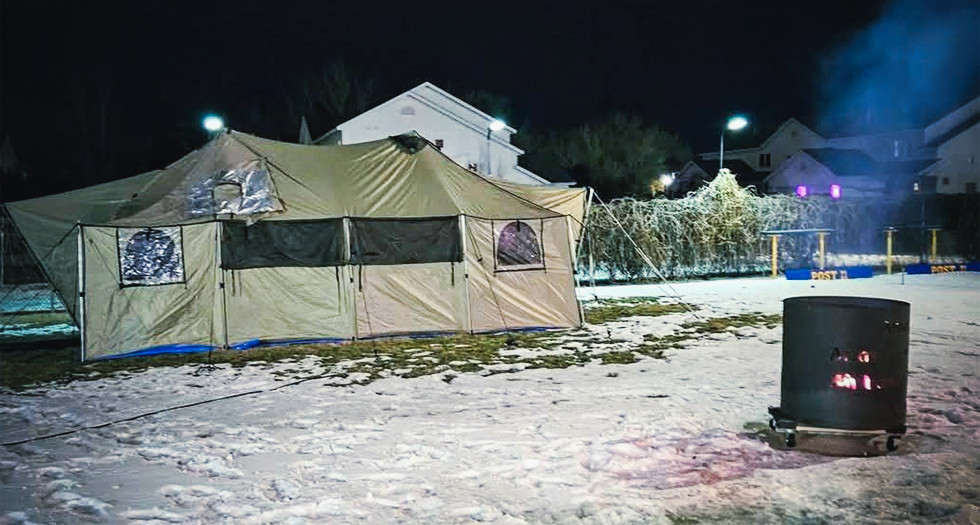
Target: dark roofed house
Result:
[[854, 173], [697, 172]]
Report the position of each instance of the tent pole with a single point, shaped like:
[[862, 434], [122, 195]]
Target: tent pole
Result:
[[350, 281], [81, 290], [466, 273], [578, 254], [222, 287]]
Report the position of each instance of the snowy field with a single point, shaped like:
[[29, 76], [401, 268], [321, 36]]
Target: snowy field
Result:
[[674, 440]]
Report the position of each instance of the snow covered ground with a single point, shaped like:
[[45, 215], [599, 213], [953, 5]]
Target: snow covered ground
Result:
[[656, 441]]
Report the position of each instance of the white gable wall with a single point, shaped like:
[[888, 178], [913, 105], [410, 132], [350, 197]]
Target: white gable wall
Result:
[[959, 163], [436, 115]]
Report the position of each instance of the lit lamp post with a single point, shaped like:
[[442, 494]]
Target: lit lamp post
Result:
[[734, 124], [213, 124], [495, 125], [666, 180]]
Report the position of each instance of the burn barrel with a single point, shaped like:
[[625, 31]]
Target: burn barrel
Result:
[[845, 363]]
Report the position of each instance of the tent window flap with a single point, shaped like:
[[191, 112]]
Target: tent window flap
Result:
[[242, 191], [405, 241], [518, 246], [150, 256], [282, 243]]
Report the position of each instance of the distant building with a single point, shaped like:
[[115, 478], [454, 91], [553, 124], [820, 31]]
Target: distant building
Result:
[[460, 130], [854, 173], [697, 172], [940, 158], [956, 138], [791, 136]]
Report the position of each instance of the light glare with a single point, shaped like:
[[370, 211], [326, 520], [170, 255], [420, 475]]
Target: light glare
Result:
[[835, 191], [801, 191], [213, 123], [497, 125], [737, 123]]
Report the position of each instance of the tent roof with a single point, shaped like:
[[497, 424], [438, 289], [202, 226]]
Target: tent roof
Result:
[[400, 176]]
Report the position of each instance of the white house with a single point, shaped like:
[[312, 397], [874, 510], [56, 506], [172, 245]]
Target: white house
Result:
[[460, 130], [791, 136], [956, 138], [942, 158]]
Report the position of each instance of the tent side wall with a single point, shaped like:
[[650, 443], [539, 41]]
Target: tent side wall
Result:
[[514, 292], [121, 318], [410, 298], [54, 244], [288, 303]]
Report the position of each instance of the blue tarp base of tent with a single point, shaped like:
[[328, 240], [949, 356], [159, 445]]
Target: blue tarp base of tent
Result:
[[187, 348], [829, 274]]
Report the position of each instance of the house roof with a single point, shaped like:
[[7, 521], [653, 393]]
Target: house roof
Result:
[[756, 136], [953, 131], [853, 162], [744, 174], [844, 162]]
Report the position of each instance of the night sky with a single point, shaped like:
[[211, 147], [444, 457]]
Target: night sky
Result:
[[839, 66]]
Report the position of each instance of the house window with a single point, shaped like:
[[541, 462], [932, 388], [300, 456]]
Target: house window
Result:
[[901, 149], [765, 160], [945, 181], [439, 144], [971, 187]]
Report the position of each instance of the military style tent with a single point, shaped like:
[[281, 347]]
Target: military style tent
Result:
[[248, 240]]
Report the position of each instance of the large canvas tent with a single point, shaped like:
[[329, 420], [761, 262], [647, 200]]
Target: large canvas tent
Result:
[[249, 240]]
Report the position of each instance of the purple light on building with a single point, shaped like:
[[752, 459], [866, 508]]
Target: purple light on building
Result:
[[835, 191], [801, 191]]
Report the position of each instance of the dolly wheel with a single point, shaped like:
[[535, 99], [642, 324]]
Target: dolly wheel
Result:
[[890, 444], [790, 440], [772, 423]]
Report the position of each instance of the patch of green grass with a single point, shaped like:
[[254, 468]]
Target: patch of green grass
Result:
[[722, 324], [410, 357], [606, 310], [618, 358]]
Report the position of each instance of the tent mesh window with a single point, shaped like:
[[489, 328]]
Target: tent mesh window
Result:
[[150, 256], [518, 247], [405, 241], [265, 244]]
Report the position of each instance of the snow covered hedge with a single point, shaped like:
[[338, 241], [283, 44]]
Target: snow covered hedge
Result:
[[717, 230]]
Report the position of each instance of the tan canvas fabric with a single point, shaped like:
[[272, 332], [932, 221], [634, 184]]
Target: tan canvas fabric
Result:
[[288, 303], [503, 299], [410, 298], [119, 319], [566, 201], [382, 179]]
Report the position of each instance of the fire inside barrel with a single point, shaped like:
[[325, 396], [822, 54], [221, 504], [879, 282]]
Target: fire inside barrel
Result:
[[845, 363]]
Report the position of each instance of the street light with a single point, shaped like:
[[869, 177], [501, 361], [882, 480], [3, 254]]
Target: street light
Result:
[[495, 125], [213, 123], [734, 124]]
